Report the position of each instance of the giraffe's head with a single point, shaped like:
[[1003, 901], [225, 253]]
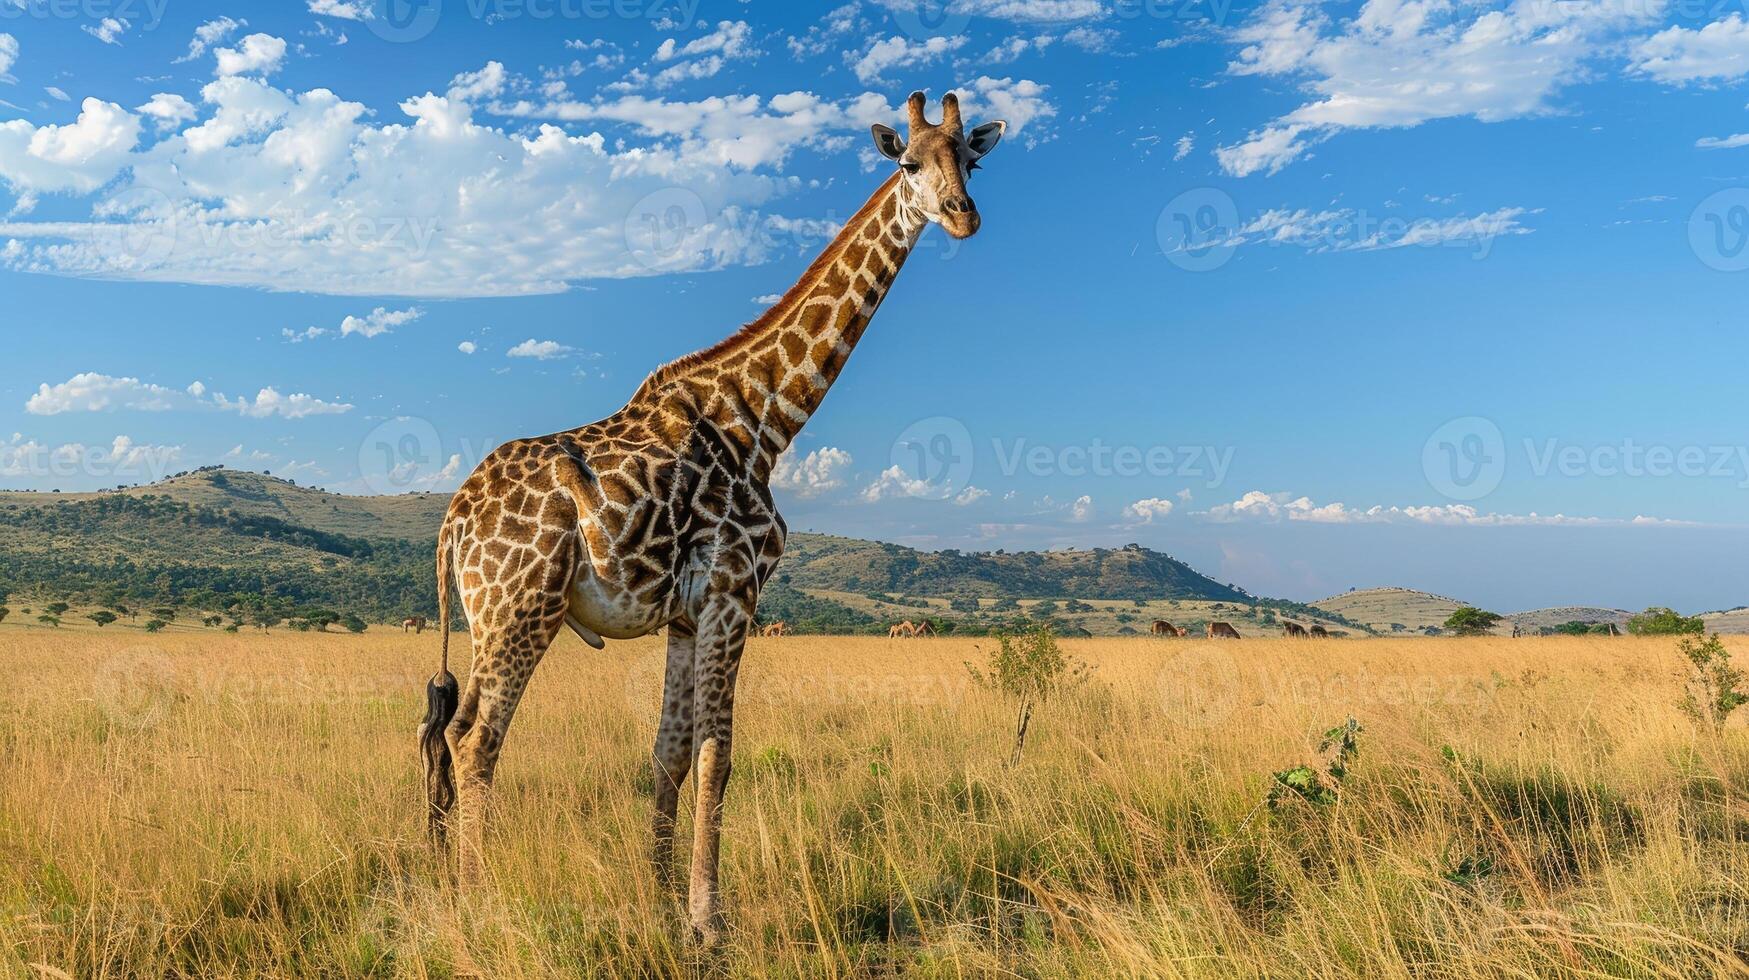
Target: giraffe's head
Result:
[[937, 160]]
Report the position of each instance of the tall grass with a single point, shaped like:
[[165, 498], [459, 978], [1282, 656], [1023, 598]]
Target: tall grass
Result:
[[239, 806]]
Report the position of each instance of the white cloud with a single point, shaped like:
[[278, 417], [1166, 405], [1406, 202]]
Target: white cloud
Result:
[[122, 460], [343, 9], [467, 347], [1048, 11], [1182, 148], [108, 30], [209, 34], [731, 39], [899, 52], [8, 56], [1403, 62], [299, 336], [819, 472], [81, 156], [257, 54], [1094, 40], [93, 392], [970, 495], [1718, 52], [1257, 506], [269, 402], [307, 192], [819, 38], [1148, 510], [378, 321], [57, 94], [894, 483], [1019, 102], [473, 86], [540, 350], [1012, 48], [1722, 142], [1351, 230], [167, 111]]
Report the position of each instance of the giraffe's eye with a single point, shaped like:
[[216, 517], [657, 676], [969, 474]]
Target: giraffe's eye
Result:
[[910, 167]]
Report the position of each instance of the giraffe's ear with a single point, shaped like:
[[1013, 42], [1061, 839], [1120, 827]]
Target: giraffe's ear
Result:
[[887, 141], [985, 137]]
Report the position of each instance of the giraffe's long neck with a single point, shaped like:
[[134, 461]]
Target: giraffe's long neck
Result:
[[771, 377]]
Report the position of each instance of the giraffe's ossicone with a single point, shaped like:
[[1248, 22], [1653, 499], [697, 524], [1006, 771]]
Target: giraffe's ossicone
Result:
[[661, 515]]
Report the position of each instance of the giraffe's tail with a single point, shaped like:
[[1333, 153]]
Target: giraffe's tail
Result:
[[442, 694]]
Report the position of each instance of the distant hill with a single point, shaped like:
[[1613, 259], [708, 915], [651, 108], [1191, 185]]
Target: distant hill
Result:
[[822, 561], [203, 539], [1537, 620], [1392, 610]]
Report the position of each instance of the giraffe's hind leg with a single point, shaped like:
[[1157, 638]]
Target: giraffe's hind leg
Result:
[[506, 654]]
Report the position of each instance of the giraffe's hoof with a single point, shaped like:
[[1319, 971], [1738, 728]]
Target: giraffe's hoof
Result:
[[709, 931]]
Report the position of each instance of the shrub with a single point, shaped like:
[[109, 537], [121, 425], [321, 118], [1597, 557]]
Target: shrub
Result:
[[1661, 621], [1027, 670], [1712, 692]]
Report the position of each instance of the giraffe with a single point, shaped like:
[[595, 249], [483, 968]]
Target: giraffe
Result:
[[779, 628], [901, 630], [661, 515]]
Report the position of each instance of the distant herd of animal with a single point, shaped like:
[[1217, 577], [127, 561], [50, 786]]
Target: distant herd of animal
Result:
[[1225, 631]]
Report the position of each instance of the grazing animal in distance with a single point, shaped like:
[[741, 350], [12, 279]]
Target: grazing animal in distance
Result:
[[923, 629], [779, 628], [1163, 628], [1222, 631], [899, 630], [1292, 629], [662, 515], [414, 623], [1318, 632]]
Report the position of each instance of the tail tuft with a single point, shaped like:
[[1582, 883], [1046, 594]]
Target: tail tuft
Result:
[[442, 694]]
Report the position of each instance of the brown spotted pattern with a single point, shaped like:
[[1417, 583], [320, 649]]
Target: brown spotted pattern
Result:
[[661, 516]]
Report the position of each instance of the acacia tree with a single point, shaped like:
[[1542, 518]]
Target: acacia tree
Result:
[[1471, 621], [102, 617], [1662, 621]]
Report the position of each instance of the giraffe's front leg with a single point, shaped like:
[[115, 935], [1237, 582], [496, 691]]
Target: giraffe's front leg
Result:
[[672, 756], [722, 633]]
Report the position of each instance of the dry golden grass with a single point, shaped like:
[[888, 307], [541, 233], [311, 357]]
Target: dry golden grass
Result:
[[238, 806]]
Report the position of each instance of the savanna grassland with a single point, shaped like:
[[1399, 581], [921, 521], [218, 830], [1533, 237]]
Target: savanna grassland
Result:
[[209, 805]]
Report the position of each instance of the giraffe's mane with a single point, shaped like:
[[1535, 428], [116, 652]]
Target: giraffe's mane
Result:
[[747, 334]]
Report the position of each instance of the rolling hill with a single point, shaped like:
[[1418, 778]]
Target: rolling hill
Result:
[[214, 538]]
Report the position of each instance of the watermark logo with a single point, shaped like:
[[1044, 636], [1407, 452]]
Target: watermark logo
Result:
[[401, 454], [660, 226], [1198, 230], [936, 453], [925, 19], [1718, 230], [136, 687], [1465, 459], [404, 21]]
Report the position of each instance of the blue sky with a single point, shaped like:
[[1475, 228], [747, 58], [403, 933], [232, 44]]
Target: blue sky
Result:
[[1313, 295]]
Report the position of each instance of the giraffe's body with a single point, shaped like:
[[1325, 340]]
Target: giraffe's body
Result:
[[662, 515]]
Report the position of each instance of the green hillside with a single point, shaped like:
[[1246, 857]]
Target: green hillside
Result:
[[247, 545]]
